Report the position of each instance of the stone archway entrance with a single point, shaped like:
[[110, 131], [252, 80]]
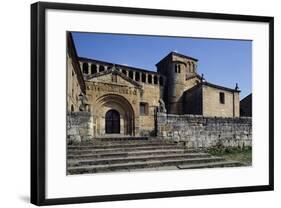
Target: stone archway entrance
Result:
[[113, 115], [112, 122]]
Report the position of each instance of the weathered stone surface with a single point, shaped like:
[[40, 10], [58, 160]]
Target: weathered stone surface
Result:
[[199, 132], [151, 154], [79, 127]]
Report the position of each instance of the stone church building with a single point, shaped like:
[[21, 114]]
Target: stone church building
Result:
[[123, 100]]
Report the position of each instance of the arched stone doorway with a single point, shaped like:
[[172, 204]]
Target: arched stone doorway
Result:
[[112, 122], [110, 108]]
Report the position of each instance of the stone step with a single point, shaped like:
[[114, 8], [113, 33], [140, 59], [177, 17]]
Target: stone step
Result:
[[142, 158], [134, 165], [118, 145], [218, 164], [122, 138], [111, 154], [95, 151], [190, 166]]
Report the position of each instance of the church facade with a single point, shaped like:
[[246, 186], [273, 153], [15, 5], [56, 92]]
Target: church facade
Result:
[[123, 100]]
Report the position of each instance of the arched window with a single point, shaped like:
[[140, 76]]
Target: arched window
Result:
[[85, 68], [143, 77], [93, 69], [124, 72], [179, 68], [131, 74], [72, 108], [155, 79], [102, 68], [149, 78], [137, 76]]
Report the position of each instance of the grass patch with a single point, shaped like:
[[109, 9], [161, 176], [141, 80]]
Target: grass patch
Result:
[[243, 155]]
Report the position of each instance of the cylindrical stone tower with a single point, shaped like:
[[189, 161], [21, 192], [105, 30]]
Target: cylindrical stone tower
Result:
[[178, 69]]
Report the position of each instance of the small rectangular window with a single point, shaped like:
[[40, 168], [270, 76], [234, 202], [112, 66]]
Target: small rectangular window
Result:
[[222, 98], [143, 108]]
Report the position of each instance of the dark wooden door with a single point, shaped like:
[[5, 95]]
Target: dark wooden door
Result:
[[112, 122]]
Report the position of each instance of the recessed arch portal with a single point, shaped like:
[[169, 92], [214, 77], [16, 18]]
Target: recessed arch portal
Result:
[[109, 109]]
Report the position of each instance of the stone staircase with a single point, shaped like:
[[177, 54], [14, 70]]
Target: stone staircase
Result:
[[107, 155]]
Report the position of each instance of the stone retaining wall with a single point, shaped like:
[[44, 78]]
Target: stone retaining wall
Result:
[[196, 131], [79, 127]]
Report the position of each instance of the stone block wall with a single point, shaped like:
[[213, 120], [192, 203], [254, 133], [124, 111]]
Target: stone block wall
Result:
[[196, 131], [211, 102], [79, 127]]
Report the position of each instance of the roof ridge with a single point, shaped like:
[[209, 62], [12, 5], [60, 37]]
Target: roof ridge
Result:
[[177, 54], [219, 86]]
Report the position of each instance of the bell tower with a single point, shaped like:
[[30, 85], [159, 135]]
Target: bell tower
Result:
[[177, 69]]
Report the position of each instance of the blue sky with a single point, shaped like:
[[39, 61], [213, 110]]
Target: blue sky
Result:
[[223, 62]]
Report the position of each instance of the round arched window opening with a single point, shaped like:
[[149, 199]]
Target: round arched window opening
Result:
[[102, 68], [93, 69], [85, 68]]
